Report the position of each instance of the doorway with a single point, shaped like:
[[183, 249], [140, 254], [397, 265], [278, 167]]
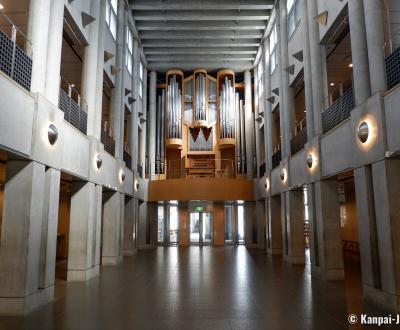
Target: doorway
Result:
[[200, 228]]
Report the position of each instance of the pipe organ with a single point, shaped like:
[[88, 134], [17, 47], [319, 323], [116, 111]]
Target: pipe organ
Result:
[[199, 125]]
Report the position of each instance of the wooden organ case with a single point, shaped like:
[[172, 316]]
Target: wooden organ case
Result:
[[198, 125]]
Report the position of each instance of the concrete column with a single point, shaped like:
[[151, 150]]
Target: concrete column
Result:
[[256, 124], [313, 230], [293, 226], [21, 239], [274, 237], [268, 118], [359, 52], [142, 226], [143, 137], [90, 72], [128, 237], [374, 14], [316, 67], [286, 91], [367, 228], [113, 221], [135, 107], [249, 124], [308, 89], [329, 231], [117, 94], [85, 231], [37, 32], [249, 223], [49, 228], [386, 178], [54, 49], [152, 121], [261, 223]]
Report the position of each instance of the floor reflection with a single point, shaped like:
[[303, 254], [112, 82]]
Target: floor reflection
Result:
[[200, 288]]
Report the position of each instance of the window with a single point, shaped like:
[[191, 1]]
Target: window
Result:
[[141, 79], [129, 50], [293, 10], [111, 16], [273, 40], [260, 80]]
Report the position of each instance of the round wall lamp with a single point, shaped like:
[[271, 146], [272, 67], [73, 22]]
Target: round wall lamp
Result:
[[137, 185], [99, 161], [122, 175], [310, 160], [52, 134], [266, 184], [363, 132], [283, 175]]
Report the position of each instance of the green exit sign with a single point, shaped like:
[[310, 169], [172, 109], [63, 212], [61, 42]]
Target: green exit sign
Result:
[[199, 208]]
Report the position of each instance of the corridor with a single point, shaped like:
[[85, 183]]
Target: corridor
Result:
[[200, 288]]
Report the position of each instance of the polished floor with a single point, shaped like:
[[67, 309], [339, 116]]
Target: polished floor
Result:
[[200, 288]]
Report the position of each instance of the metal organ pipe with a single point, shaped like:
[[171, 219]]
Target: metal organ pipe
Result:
[[200, 100], [242, 135], [227, 110], [174, 109]]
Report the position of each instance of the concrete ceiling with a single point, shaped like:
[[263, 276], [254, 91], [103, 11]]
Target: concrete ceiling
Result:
[[212, 34]]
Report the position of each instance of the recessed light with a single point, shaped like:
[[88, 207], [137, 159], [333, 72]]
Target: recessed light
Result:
[[332, 84], [350, 65], [1, 7]]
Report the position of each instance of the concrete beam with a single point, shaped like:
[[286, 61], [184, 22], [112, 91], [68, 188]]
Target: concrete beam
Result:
[[200, 25], [195, 58], [200, 15], [207, 65], [204, 35], [201, 50], [201, 5], [200, 43]]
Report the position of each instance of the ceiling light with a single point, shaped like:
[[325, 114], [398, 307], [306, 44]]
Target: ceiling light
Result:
[[1, 7], [350, 65], [332, 84]]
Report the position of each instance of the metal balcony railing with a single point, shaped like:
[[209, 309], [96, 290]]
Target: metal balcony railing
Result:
[[14, 61], [392, 63], [338, 111], [127, 159], [73, 112], [276, 158], [298, 142], [107, 139]]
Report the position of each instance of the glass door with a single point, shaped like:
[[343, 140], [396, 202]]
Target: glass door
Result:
[[194, 228], [206, 228], [173, 225]]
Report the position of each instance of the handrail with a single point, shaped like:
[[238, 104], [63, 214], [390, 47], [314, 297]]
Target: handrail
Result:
[[15, 27]]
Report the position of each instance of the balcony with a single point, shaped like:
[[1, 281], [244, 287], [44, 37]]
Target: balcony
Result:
[[338, 111], [276, 158], [299, 140], [107, 139], [14, 62], [392, 63], [73, 112]]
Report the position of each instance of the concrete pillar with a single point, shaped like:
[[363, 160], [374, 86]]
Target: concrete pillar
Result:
[[308, 89], [374, 14], [268, 118], [386, 178], [37, 32], [249, 124], [147, 231], [49, 228], [286, 92], [261, 223], [142, 225], [274, 226], [85, 231], [249, 224], [54, 49], [359, 52], [316, 67], [256, 124], [90, 72], [113, 222], [117, 94], [292, 212], [135, 107], [22, 275], [329, 230], [129, 247], [313, 230], [152, 121], [367, 228], [143, 136]]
